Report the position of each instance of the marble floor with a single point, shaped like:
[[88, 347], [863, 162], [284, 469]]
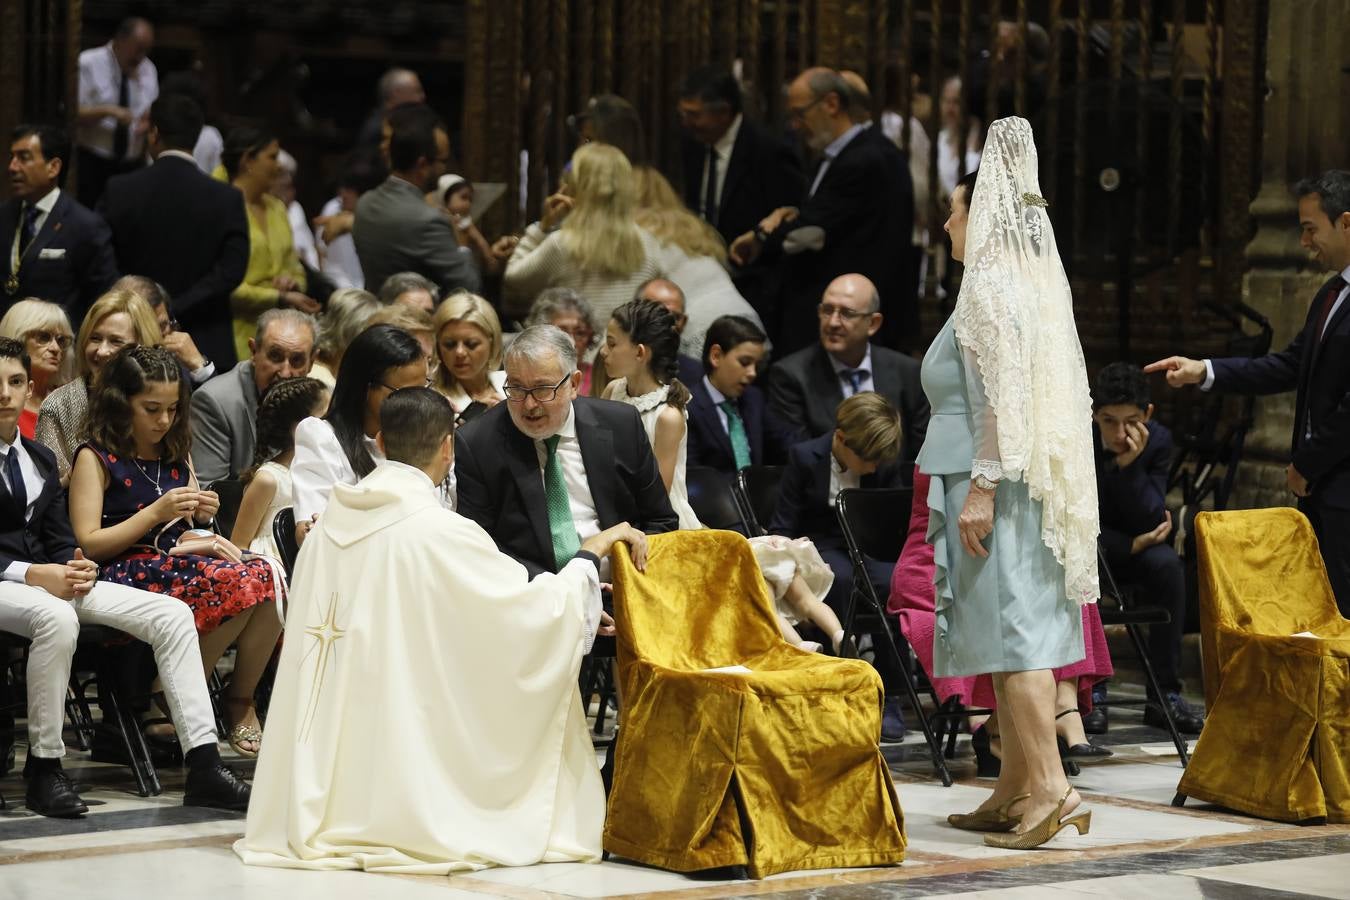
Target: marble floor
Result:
[[1139, 847]]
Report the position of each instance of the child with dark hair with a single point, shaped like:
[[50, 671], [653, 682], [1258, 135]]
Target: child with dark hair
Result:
[[268, 481], [138, 511], [1134, 456]]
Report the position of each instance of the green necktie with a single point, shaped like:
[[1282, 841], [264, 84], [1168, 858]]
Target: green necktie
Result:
[[740, 443], [560, 524]]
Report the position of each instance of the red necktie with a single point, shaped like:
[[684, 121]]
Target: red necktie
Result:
[[1334, 289]]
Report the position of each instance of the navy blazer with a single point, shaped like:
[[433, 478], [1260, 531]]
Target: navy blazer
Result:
[[184, 229], [1320, 373], [762, 175], [710, 445], [1132, 500], [805, 391], [47, 537], [804, 508], [500, 486], [70, 261]]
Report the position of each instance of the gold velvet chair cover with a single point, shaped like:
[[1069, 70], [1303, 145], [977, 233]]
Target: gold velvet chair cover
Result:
[[777, 769], [1277, 740]]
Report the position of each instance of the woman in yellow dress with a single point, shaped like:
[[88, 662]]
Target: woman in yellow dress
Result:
[[275, 276]]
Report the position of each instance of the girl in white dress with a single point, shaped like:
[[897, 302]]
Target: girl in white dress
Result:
[[268, 483], [640, 349]]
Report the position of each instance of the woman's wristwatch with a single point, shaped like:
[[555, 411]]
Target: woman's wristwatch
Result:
[[984, 483]]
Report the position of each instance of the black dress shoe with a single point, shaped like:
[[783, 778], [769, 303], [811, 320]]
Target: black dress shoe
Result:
[[892, 723], [216, 787], [1085, 752], [1188, 719], [50, 793]]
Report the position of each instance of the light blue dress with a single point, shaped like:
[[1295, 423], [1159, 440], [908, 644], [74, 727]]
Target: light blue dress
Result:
[[1007, 612]]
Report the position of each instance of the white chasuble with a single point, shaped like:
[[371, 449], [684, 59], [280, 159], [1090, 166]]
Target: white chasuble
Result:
[[426, 717]]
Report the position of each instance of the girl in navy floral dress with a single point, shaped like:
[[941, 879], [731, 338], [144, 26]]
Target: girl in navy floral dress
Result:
[[136, 508]]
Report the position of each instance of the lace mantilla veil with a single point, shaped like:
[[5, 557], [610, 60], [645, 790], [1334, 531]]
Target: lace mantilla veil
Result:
[[1015, 316]]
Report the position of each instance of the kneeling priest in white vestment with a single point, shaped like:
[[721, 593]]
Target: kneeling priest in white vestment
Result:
[[426, 717]]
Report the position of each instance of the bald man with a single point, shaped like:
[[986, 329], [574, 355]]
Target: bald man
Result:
[[669, 294], [806, 387], [397, 87], [858, 215], [117, 84]]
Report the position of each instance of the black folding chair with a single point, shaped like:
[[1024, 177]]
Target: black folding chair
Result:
[[713, 499], [1132, 616], [874, 522], [758, 489], [231, 491], [283, 532]]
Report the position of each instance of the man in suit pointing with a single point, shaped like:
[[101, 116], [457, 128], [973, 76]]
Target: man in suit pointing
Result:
[[1316, 364]]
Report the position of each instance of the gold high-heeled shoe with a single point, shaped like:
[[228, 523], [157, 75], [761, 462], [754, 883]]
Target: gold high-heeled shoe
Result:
[[996, 819], [1043, 831]]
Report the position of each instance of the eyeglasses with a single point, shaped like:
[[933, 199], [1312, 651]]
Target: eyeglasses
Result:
[[46, 337], [517, 394], [848, 316], [799, 112]]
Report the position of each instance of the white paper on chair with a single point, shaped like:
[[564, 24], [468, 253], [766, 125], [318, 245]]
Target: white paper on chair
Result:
[[1168, 749], [1304, 634], [729, 670]]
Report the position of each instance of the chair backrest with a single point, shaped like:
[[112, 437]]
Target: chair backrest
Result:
[[700, 604], [1260, 571], [875, 521], [231, 492], [759, 494], [283, 532], [713, 499]]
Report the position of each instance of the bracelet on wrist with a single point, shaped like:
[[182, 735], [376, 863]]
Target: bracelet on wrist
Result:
[[984, 483]]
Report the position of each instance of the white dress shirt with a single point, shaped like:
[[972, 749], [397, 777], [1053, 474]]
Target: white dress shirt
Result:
[[831, 152], [44, 208], [841, 479], [579, 498], [338, 257], [100, 82], [846, 385], [725, 144], [1208, 383], [32, 485]]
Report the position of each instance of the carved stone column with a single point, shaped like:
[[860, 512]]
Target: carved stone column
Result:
[[1306, 114]]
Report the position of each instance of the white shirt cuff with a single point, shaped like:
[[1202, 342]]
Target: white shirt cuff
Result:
[[594, 606], [203, 375], [17, 571], [1209, 376]]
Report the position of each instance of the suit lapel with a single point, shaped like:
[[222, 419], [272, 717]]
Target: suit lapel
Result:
[[885, 377], [705, 410], [832, 394], [1332, 324], [740, 151], [523, 461], [597, 453], [50, 228]]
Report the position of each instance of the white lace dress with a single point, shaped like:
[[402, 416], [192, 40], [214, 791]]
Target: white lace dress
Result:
[[780, 558]]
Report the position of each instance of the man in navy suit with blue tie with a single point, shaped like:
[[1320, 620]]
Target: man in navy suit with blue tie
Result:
[[53, 248], [1316, 365]]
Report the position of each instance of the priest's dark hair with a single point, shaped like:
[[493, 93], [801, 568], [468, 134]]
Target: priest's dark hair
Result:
[[414, 422], [108, 420], [365, 366]]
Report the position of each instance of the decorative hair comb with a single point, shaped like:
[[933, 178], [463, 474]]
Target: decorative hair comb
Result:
[[1031, 199]]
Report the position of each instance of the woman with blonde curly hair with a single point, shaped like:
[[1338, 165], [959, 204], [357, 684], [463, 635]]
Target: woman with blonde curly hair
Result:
[[469, 348], [695, 257], [587, 239], [346, 315], [44, 331], [118, 319]]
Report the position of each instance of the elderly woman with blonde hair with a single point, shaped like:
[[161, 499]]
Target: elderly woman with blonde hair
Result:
[[588, 239], [45, 332], [118, 319], [469, 349], [346, 315], [694, 256]]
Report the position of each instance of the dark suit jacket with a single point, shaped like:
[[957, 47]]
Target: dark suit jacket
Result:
[[47, 538], [762, 175], [187, 231], [1132, 500], [710, 445], [864, 207], [804, 508], [75, 278], [396, 231], [805, 391], [688, 370], [1320, 373], [500, 486]]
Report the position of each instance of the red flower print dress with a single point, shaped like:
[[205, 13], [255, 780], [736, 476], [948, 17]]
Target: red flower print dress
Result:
[[216, 590]]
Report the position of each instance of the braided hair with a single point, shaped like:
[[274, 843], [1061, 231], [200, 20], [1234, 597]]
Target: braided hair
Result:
[[285, 405], [651, 324]]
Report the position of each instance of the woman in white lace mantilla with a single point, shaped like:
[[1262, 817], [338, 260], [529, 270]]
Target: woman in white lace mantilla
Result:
[[1013, 498]]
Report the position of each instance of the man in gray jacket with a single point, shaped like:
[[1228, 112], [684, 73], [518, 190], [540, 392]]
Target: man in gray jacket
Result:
[[225, 409], [395, 229]]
